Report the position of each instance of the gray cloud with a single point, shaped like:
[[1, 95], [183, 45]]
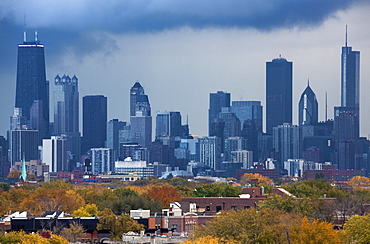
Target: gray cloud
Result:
[[156, 15], [69, 23]]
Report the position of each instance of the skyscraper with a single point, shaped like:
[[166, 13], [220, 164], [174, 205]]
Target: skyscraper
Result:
[[168, 123], [141, 129], [350, 80], [32, 84], [308, 110], [54, 154], [137, 98], [114, 126], [94, 122], [66, 107], [350, 77], [23, 144], [278, 93], [216, 102], [248, 110], [286, 141], [66, 116], [210, 152], [140, 116]]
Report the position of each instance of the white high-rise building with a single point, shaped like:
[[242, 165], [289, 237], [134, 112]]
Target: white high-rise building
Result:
[[54, 153], [102, 160]]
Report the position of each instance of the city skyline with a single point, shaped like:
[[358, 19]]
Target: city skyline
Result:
[[211, 58]]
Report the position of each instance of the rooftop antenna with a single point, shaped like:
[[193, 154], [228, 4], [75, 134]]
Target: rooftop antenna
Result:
[[25, 30], [308, 82], [326, 106], [36, 33], [346, 35]]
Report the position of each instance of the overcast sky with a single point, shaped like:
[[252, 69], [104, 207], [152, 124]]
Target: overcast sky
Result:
[[180, 51]]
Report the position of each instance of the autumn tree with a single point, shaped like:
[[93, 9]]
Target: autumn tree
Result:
[[357, 230], [43, 200], [14, 174], [117, 225], [255, 179], [58, 184], [86, 211], [208, 240], [315, 232], [164, 193], [217, 190], [359, 182], [250, 226], [23, 238], [73, 232]]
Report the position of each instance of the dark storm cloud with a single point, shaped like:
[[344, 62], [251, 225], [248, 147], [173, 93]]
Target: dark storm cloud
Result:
[[69, 23], [157, 15]]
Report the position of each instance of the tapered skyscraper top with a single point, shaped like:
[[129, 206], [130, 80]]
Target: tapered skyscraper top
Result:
[[308, 107]]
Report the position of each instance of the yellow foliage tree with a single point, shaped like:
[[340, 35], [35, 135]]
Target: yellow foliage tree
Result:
[[23, 238], [256, 179], [208, 240], [86, 211], [315, 233], [358, 182], [14, 174]]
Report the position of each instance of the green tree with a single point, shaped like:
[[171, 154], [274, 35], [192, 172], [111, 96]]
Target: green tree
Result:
[[177, 181], [286, 203], [309, 188], [4, 186], [217, 190], [125, 204], [357, 230]]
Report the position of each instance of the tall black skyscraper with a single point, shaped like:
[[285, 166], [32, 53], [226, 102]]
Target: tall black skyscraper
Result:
[[278, 93], [308, 110], [32, 89], [350, 85], [216, 102], [94, 122]]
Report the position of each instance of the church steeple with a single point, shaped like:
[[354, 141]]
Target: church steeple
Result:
[[23, 175]]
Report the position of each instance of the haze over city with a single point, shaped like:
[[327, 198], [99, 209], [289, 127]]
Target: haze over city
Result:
[[182, 52]]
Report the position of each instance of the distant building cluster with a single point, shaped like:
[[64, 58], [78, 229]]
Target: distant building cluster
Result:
[[236, 139]]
